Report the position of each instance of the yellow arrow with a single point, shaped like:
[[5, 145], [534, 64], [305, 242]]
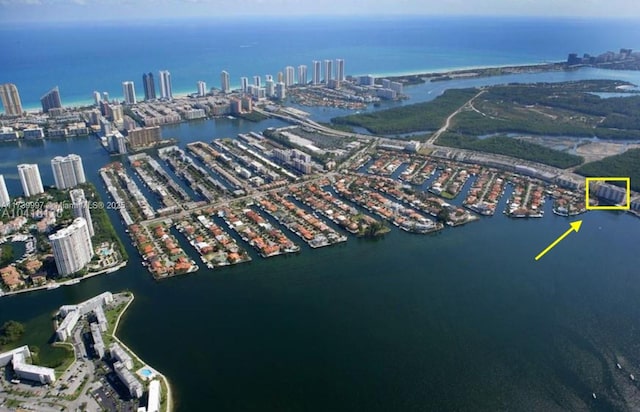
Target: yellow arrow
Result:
[[575, 226]]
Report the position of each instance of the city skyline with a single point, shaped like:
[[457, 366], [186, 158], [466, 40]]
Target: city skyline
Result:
[[92, 10]]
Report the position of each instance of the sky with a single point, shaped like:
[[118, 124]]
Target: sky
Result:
[[136, 10]]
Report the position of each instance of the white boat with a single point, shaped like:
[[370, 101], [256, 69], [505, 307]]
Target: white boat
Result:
[[618, 366], [594, 395], [53, 286], [633, 378], [72, 282]]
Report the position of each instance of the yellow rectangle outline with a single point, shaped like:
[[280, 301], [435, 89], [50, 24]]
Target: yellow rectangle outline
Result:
[[604, 179]]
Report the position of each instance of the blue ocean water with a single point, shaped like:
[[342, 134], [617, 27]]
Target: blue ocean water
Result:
[[85, 57]]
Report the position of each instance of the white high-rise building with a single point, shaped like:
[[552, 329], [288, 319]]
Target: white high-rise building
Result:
[[244, 82], [225, 82], [72, 248], [68, 171], [97, 98], [328, 71], [30, 179], [5, 200], [270, 89], [268, 77], [129, 91], [340, 76], [317, 76], [81, 208], [289, 73], [165, 85], [302, 74], [256, 81], [202, 89]]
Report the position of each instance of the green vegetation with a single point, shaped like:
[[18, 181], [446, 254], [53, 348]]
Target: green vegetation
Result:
[[6, 254], [410, 118], [375, 230], [511, 147], [622, 165], [443, 215], [340, 127], [103, 228], [10, 332], [111, 315], [253, 116], [407, 80], [568, 109], [553, 109], [58, 356]]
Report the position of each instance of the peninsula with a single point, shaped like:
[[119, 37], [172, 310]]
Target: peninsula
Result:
[[99, 372]]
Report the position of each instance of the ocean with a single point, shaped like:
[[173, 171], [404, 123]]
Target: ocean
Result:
[[84, 57], [463, 320]]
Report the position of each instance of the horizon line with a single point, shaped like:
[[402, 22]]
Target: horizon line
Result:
[[233, 18]]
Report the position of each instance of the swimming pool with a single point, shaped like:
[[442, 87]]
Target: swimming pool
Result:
[[146, 372]]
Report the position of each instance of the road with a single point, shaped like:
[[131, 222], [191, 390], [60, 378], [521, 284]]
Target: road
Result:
[[447, 123]]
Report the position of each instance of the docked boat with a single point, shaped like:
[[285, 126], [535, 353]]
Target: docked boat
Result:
[[53, 286]]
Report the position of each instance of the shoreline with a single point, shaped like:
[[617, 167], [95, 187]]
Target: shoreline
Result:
[[117, 339], [430, 73], [68, 282]]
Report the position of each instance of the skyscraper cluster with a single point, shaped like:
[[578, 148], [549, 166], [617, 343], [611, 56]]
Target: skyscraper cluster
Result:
[[68, 171], [149, 87]]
